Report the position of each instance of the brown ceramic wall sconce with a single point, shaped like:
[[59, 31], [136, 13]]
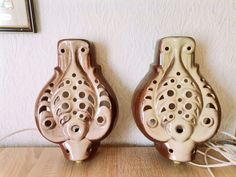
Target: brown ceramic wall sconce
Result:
[[174, 106], [77, 108]]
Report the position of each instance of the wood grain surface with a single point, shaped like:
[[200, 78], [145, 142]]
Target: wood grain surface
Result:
[[108, 162]]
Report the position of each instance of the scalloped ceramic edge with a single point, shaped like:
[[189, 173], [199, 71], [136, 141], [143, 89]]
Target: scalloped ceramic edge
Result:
[[77, 108], [174, 106]]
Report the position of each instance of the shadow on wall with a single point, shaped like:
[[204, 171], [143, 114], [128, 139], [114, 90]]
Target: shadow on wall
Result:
[[125, 122], [201, 57]]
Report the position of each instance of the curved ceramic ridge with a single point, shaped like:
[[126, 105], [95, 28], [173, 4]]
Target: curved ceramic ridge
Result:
[[77, 108], [174, 106]]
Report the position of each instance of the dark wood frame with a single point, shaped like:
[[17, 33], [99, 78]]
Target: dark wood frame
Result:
[[31, 19]]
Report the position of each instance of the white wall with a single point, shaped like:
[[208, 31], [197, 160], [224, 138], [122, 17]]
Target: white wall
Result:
[[125, 33]]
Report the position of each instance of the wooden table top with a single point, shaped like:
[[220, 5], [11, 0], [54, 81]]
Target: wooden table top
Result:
[[107, 162]]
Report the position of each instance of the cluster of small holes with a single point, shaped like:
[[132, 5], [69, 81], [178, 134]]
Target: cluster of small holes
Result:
[[177, 86], [172, 106], [66, 94]]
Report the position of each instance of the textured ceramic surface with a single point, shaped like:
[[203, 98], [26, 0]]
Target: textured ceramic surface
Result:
[[174, 106], [77, 108]]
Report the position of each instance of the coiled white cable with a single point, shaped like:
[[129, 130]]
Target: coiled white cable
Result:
[[227, 150]]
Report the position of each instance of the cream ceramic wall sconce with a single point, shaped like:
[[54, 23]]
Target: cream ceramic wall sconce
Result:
[[174, 106], [77, 108]]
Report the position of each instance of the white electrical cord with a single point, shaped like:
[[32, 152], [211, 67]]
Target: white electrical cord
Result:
[[227, 150], [17, 132]]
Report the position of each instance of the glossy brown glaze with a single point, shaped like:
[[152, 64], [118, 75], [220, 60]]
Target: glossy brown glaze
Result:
[[174, 106], [77, 108]]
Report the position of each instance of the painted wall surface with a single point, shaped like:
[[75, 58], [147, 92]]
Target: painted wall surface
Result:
[[125, 34]]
